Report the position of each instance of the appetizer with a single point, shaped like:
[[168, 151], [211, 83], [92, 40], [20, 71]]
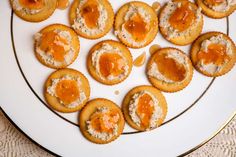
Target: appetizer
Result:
[[101, 121], [181, 22], [217, 8], [169, 70], [67, 90], [213, 54], [144, 108], [33, 10], [109, 62], [56, 46], [136, 24], [91, 19]]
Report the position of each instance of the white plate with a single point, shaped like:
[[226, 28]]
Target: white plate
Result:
[[194, 115]]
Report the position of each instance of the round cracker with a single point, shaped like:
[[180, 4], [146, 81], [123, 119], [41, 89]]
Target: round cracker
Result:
[[197, 46], [128, 98], [53, 102], [75, 44], [170, 87], [92, 70], [109, 22], [214, 14], [119, 21], [187, 38], [92, 107], [45, 13]]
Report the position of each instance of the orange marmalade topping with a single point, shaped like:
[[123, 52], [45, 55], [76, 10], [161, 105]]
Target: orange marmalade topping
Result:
[[52, 43], [111, 64], [32, 4], [62, 4], [214, 2], [182, 17], [137, 27], [90, 13], [156, 6], [104, 122], [216, 54], [170, 68], [154, 48], [145, 109], [67, 91], [140, 60]]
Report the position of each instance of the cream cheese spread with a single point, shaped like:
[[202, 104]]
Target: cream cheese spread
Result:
[[52, 91], [107, 48], [211, 67], [157, 113], [168, 11], [18, 7], [131, 12], [47, 57], [80, 24], [103, 135], [154, 72]]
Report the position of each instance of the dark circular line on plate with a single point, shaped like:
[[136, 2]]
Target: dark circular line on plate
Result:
[[45, 104], [203, 143], [227, 22], [212, 81], [181, 113], [22, 132], [52, 153]]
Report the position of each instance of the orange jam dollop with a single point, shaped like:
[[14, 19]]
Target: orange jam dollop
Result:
[[156, 6], [32, 4], [137, 27], [182, 17], [154, 48], [67, 91], [216, 54], [145, 109], [170, 68], [54, 45], [90, 13], [111, 64], [62, 4], [104, 122], [214, 2], [140, 60]]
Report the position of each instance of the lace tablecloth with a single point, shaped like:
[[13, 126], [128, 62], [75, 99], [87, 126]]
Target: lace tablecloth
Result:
[[15, 144]]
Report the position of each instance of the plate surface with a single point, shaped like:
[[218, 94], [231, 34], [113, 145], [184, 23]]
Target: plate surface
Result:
[[195, 113]]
